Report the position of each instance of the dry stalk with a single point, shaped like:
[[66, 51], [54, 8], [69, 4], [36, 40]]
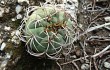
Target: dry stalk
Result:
[[94, 61], [95, 65], [74, 60], [96, 27], [93, 56], [90, 63], [59, 65], [75, 65], [101, 52]]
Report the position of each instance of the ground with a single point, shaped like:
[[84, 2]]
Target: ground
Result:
[[82, 56]]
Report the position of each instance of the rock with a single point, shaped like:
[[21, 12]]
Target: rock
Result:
[[18, 9], [19, 16], [7, 28], [7, 10], [3, 64], [1, 11], [78, 52], [15, 40], [12, 33], [17, 32], [107, 65], [107, 18], [20, 1], [2, 2], [3, 46], [13, 19], [85, 66], [8, 55], [5, 61]]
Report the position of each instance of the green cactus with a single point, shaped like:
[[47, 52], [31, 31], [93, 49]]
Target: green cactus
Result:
[[48, 30]]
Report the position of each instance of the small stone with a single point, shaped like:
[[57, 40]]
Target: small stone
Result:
[[74, 56], [2, 2], [18, 9], [13, 19], [107, 18], [12, 33], [109, 35], [7, 10], [1, 11], [17, 32], [3, 46], [85, 66], [7, 28], [20, 1], [8, 56], [107, 65], [80, 25], [19, 16], [15, 40], [4, 63], [78, 52]]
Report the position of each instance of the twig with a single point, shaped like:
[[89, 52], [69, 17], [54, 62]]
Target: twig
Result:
[[89, 30], [93, 56], [83, 47], [97, 16], [96, 68], [74, 60], [59, 65], [90, 63], [102, 62], [94, 61], [94, 4], [96, 27], [101, 52], [75, 65]]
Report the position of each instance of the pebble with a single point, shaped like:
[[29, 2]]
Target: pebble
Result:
[[4, 63], [1, 11], [107, 19], [12, 33], [19, 16], [13, 19], [8, 56], [20, 1], [107, 65], [74, 56], [17, 32], [7, 28], [15, 40], [3, 46], [80, 25], [2, 2], [5, 60], [85, 66], [7, 10], [18, 9]]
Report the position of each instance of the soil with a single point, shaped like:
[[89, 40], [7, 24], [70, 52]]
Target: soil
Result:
[[21, 60]]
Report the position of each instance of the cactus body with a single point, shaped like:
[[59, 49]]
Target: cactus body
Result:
[[48, 30]]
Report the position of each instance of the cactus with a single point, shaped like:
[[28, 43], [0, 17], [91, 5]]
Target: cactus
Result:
[[47, 30]]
